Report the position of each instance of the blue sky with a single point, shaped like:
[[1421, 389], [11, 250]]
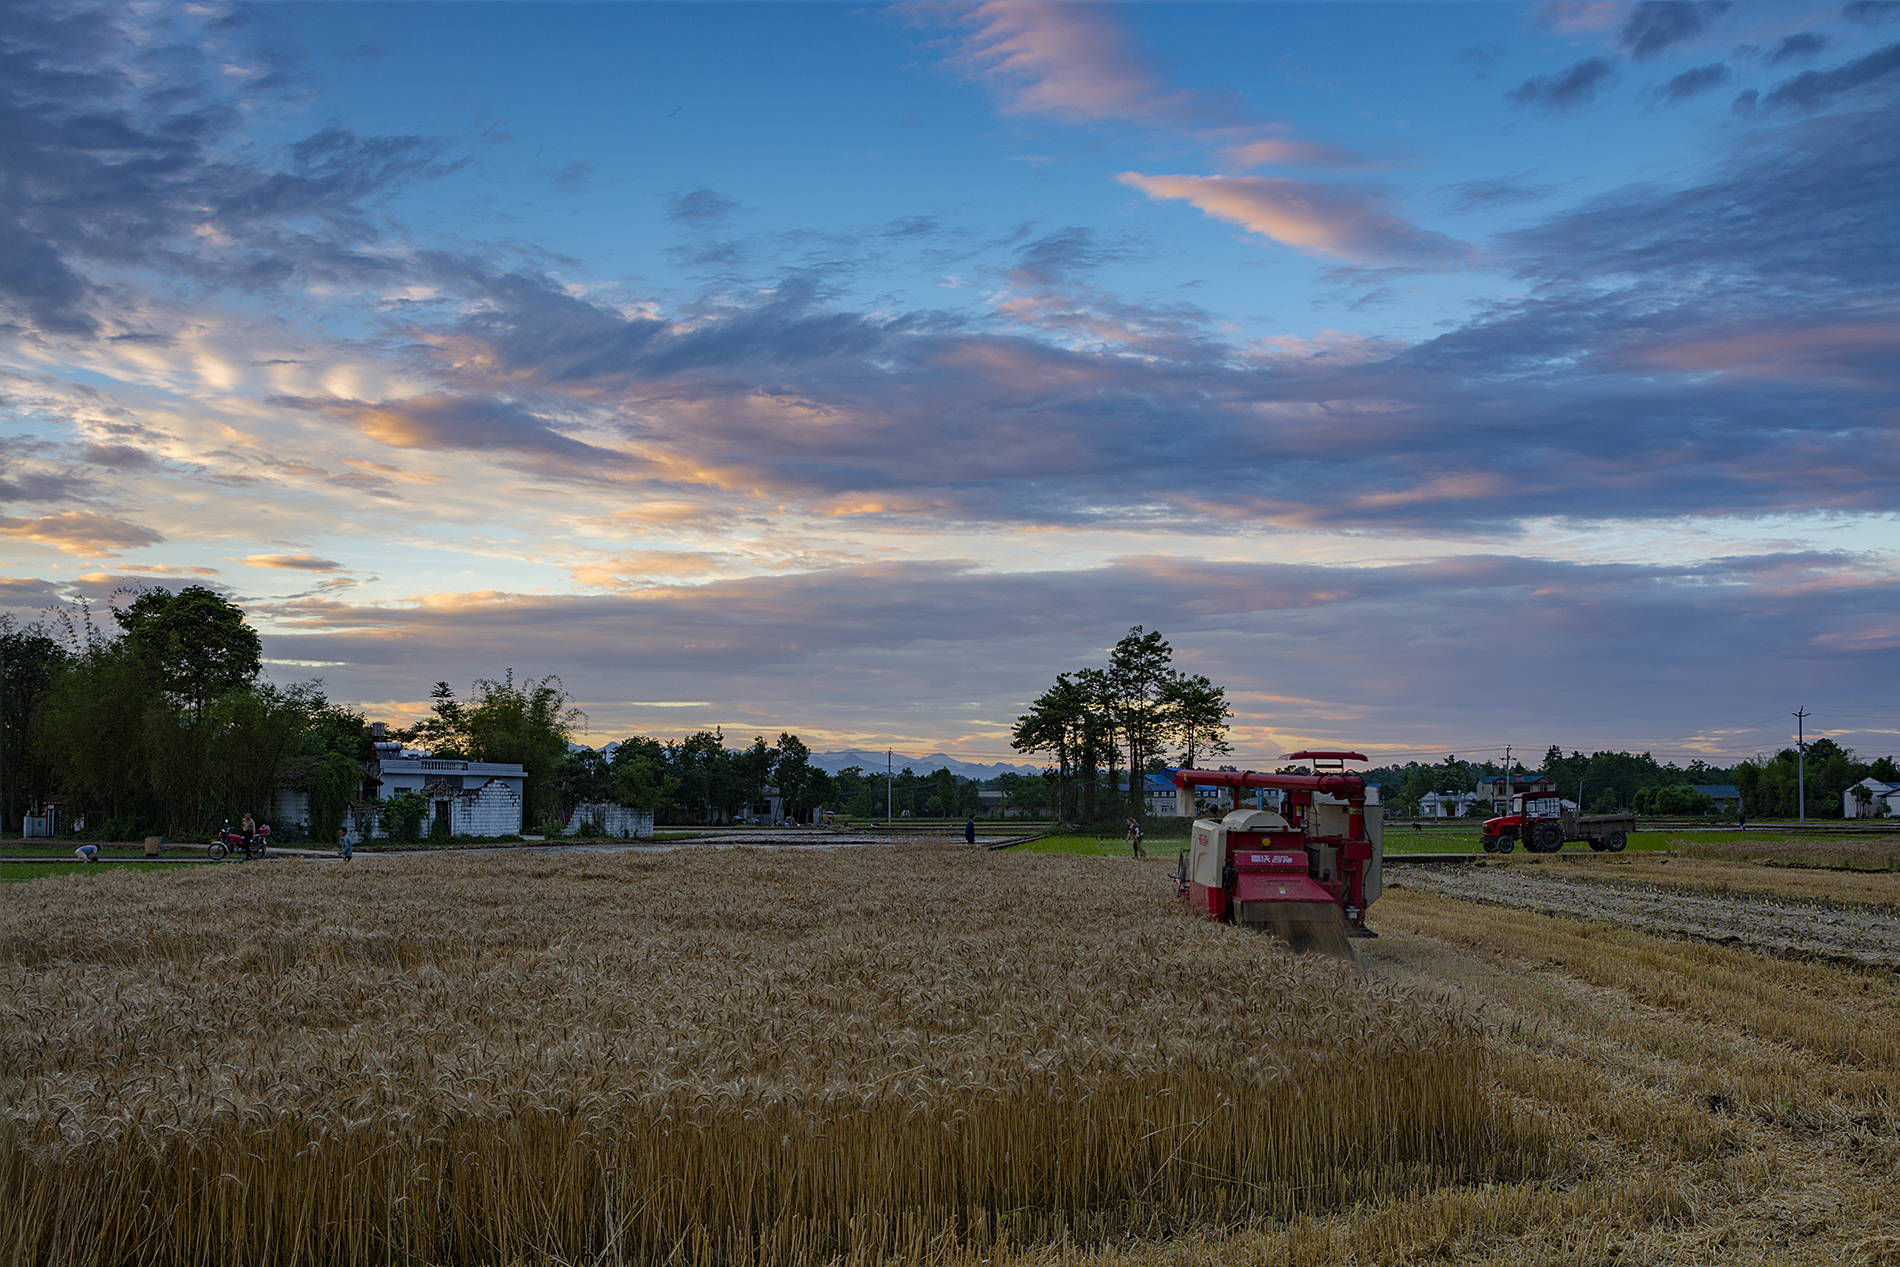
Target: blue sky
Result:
[[1435, 376]]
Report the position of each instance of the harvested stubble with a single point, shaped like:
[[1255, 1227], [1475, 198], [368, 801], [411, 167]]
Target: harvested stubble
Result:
[[732, 1056], [1865, 853]]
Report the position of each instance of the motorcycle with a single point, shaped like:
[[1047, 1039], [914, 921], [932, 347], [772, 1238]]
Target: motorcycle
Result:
[[228, 842]]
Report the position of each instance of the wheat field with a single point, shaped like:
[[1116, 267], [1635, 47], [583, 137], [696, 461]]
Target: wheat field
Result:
[[698, 1056]]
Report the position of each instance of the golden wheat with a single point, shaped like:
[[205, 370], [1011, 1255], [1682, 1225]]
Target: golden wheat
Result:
[[704, 1055]]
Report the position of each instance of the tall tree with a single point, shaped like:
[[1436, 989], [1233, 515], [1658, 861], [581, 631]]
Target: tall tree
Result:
[[30, 661], [641, 775], [1196, 714], [792, 772], [1137, 685], [444, 732], [196, 641], [528, 725]]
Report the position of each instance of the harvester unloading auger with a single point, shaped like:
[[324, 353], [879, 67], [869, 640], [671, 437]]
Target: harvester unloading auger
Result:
[[1305, 873]]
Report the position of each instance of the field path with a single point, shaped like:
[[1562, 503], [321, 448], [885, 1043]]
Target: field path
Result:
[[1863, 936]]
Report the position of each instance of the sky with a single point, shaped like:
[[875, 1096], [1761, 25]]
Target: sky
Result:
[[1436, 378]]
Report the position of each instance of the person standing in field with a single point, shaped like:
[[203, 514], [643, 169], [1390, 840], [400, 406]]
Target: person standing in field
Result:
[[969, 829], [1134, 837]]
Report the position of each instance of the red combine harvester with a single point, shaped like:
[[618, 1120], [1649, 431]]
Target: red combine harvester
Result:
[[1305, 873]]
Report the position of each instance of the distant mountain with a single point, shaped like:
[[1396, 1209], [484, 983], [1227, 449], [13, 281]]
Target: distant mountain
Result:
[[873, 762]]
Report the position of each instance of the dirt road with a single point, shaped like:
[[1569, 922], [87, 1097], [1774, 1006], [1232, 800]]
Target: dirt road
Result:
[[1839, 932]]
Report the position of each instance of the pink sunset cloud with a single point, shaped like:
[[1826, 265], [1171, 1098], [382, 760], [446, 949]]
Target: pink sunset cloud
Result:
[[1316, 218]]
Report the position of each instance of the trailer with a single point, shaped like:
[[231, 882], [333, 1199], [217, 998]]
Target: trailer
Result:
[[1544, 824], [1304, 871]]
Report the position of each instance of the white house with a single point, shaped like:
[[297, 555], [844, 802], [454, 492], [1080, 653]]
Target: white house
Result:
[[1883, 800], [472, 798], [1451, 804]]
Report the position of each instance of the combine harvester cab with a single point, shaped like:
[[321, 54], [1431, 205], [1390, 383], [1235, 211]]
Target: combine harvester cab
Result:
[[1305, 873]]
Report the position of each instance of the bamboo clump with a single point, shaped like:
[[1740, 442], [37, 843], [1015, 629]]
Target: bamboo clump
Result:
[[704, 1057]]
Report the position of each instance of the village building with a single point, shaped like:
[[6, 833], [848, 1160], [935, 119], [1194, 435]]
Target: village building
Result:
[[1499, 789], [1726, 796], [1882, 800], [465, 798]]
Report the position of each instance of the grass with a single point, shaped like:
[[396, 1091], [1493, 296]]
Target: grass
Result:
[[16, 872], [1099, 846], [747, 1056]]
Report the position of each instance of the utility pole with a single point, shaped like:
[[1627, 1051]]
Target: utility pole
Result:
[[1801, 759], [890, 818]]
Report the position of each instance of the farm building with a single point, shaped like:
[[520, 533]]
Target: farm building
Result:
[[1727, 797], [1452, 805], [473, 798], [1881, 801]]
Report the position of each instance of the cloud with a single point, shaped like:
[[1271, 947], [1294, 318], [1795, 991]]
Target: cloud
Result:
[[1870, 11], [1481, 56], [295, 562], [1283, 151], [402, 474], [122, 153], [1656, 26], [1567, 90], [119, 457], [700, 207], [1075, 61], [1753, 219], [1816, 89], [82, 532], [1574, 17], [1476, 194], [1327, 219], [1699, 80], [1651, 653], [1057, 256], [463, 423], [28, 592], [574, 178], [1800, 45]]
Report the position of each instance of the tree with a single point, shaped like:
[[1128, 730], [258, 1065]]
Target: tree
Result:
[[334, 784], [196, 641], [30, 661], [740, 777], [444, 732], [527, 725], [1136, 688], [92, 728], [696, 760], [793, 773], [641, 777], [582, 778], [1062, 722], [1196, 718]]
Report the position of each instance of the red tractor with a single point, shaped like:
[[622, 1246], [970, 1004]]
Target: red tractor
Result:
[[1543, 823]]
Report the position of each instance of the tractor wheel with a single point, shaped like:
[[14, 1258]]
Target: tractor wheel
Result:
[[1615, 841], [1490, 843], [1550, 838], [1506, 843]]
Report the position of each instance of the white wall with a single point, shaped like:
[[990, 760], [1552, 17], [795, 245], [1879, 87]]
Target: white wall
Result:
[[620, 821]]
